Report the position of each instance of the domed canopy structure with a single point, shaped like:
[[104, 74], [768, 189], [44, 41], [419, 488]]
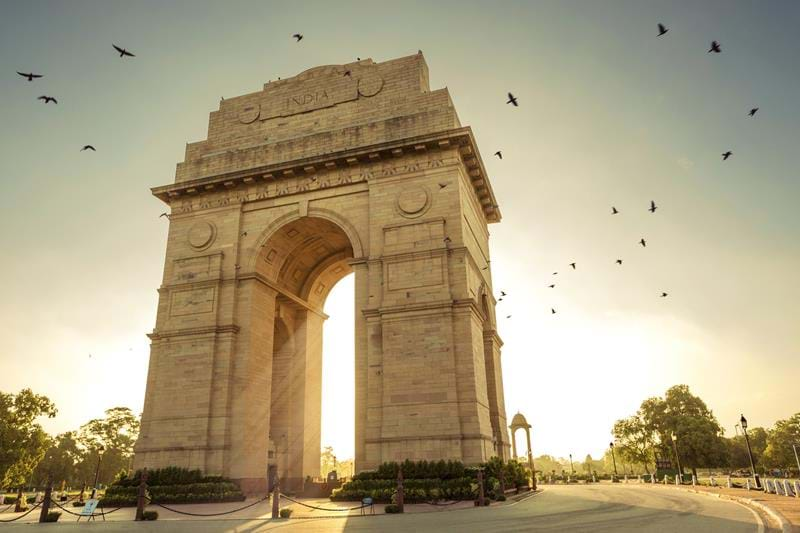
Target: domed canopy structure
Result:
[[519, 422]]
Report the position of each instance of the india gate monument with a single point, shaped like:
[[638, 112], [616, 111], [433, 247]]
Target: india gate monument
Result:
[[343, 168]]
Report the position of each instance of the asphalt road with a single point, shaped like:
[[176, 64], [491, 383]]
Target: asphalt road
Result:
[[558, 508]]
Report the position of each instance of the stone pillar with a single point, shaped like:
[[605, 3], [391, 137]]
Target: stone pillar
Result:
[[514, 442]]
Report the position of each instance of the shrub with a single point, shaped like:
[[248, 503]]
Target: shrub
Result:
[[391, 509], [501, 497], [52, 516], [150, 515], [285, 512]]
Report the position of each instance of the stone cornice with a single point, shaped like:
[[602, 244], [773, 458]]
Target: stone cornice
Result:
[[157, 335], [460, 138]]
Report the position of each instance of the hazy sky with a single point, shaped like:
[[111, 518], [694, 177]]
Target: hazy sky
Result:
[[609, 114]]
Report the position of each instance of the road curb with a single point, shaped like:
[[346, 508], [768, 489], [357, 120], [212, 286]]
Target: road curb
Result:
[[785, 525]]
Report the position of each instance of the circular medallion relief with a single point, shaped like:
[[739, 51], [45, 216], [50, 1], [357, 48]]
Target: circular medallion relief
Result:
[[370, 84], [413, 201], [249, 113], [201, 235]]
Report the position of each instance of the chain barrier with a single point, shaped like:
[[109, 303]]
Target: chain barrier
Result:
[[265, 498], [444, 504], [102, 512], [9, 507], [362, 506], [26, 513]]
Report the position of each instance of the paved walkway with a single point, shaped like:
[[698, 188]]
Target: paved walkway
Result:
[[595, 508]]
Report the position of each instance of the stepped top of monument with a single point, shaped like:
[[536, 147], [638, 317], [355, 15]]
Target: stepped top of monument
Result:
[[327, 116], [319, 111]]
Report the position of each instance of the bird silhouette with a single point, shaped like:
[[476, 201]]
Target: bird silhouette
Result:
[[29, 75], [508, 316], [715, 47], [664, 294], [619, 261], [347, 73], [572, 265], [553, 286], [753, 112], [244, 234], [442, 185], [122, 51], [552, 311], [298, 36], [485, 268], [554, 273], [614, 210], [48, 99], [643, 243], [662, 29], [88, 147], [653, 207], [502, 293], [512, 100], [499, 154], [726, 155], [447, 239], [163, 215]]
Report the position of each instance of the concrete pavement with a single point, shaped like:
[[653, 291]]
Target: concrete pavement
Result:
[[601, 507]]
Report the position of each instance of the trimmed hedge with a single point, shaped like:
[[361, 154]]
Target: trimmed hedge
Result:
[[415, 490], [173, 485]]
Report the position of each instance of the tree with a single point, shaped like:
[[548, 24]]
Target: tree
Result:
[[112, 437], [779, 453], [327, 461], [699, 435], [59, 462], [634, 441], [23, 442]]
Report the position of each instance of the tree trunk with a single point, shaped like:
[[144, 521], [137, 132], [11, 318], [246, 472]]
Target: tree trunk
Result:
[[18, 506]]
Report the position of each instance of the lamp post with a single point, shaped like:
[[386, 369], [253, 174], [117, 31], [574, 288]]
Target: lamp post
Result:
[[571, 468], [613, 458], [677, 457], [100, 451], [743, 421]]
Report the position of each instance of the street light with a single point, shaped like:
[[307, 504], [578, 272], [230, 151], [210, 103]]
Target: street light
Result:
[[677, 457], [743, 421], [613, 458], [100, 451], [571, 468]]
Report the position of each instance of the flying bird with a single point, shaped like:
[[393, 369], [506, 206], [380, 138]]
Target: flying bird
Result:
[[88, 147], [553, 286], [502, 293], [244, 234], [653, 207], [619, 261], [614, 210], [662, 29], [347, 73], [726, 155], [509, 316], [163, 215], [554, 273], [122, 51], [442, 185], [447, 239], [499, 154], [48, 99], [552, 311], [715, 47], [512, 100], [572, 265], [664, 294], [753, 112], [643, 242], [298, 36], [29, 75]]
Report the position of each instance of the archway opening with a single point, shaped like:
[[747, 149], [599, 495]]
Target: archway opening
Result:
[[302, 261], [338, 381]]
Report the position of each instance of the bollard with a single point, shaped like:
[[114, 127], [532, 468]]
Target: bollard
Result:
[[276, 498], [797, 489], [652, 479], [665, 479], [594, 479], [747, 483], [677, 480], [730, 482], [787, 488], [142, 496], [626, 478], [694, 480], [48, 494], [481, 496], [401, 490], [713, 482]]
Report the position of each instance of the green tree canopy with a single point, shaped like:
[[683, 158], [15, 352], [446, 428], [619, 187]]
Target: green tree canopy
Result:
[[108, 442], [779, 453], [23, 442]]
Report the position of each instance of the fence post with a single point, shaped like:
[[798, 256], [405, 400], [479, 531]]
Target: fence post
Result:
[[276, 497], [797, 489], [400, 490], [142, 496], [48, 493], [481, 497]]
